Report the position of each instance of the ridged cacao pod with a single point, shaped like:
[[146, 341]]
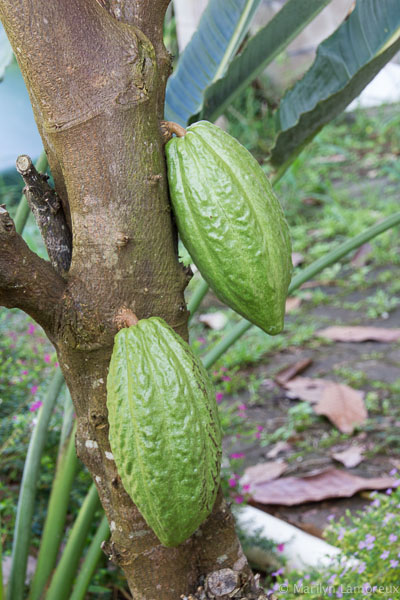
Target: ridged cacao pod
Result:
[[231, 223], [164, 428]]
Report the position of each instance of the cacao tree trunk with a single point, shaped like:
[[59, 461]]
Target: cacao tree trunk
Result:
[[96, 72]]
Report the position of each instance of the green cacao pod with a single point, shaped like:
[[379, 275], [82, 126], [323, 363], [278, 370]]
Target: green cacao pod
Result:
[[231, 223], [164, 429]]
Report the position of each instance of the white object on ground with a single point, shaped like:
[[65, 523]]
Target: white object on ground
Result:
[[383, 89], [300, 549]]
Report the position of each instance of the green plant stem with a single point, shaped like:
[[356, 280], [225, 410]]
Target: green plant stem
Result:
[[197, 298], [68, 419], [26, 500], [23, 209], [56, 514], [305, 275], [65, 572], [90, 563]]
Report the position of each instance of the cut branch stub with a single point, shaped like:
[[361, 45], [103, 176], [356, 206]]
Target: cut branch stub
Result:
[[6, 221], [47, 209]]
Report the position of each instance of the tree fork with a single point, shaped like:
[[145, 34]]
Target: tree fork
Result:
[[96, 79]]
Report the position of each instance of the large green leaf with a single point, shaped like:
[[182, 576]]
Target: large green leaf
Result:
[[268, 42], [345, 63], [6, 52], [222, 27]]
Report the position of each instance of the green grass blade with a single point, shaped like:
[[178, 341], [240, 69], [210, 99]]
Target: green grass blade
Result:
[[65, 572], [56, 515], [91, 560], [23, 210], [26, 500], [68, 419], [305, 275]]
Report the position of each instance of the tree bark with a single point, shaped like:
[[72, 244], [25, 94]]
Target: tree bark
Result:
[[96, 73]]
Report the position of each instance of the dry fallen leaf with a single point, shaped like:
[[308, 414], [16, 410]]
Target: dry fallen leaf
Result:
[[286, 374], [332, 483], [306, 388], [216, 320], [340, 403], [360, 334], [360, 257], [313, 284], [292, 303], [278, 448], [297, 258], [263, 472], [343, 406], [351, 457]]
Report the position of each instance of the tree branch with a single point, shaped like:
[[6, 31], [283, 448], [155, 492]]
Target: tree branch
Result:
[[148, 16], [27, 281], [49, 214]]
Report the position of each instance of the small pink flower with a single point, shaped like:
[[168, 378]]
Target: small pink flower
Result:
[[260, 427], [246, 487], [280, 547], [392, 538], [224, 369], [384, 554], [393, 564], [242, 415], [257, 435], [25, 372], [226, 378], [232, 482], [219, 396], [31, 329], [239, 499], [56, 364], [242, 407], [201, 340], [35, 406], [47, 358], [34, 389], [237, 455], [278, 572], [215, 373]]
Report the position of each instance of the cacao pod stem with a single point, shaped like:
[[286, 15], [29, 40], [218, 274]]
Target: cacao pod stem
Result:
[[169, 128], [125, 318]]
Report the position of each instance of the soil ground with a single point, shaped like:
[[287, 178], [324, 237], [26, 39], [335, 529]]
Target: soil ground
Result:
[[376, 368]]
